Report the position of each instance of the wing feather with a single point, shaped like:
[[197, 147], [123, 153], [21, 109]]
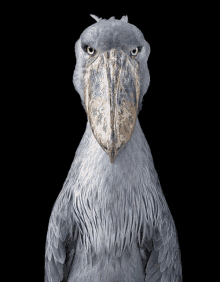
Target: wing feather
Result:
[[156, 275], [164, 263], [158, 244], [152, 263], [62, 230], [160, 253]]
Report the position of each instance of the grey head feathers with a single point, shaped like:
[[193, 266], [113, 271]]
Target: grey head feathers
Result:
[[105, 34]]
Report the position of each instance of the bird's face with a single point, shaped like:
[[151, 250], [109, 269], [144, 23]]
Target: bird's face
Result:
[[108, 77]]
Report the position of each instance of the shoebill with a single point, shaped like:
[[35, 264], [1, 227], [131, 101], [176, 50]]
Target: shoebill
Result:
[[111, 221]]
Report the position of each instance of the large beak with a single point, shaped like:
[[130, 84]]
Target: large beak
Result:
[[112, 89]]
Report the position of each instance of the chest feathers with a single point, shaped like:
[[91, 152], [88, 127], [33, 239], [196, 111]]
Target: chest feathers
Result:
[[112, 202]]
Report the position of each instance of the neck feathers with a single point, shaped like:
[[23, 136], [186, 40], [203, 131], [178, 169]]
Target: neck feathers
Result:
[[112, 201]]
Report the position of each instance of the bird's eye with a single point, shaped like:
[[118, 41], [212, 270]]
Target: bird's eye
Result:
[[134, 52], [90, 50]]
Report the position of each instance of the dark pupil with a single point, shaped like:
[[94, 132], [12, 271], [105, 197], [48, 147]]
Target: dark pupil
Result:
[[90, 49], [134, 51]]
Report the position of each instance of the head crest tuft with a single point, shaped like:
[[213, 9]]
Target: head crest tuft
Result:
[[96, 18], [123, 19]]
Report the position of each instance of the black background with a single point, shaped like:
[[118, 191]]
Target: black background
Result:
[[49, 120]]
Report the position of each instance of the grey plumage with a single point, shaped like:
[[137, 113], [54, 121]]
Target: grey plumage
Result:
[[108, 217]]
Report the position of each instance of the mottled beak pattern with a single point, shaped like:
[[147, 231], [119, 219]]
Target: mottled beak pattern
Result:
[[112, 90]]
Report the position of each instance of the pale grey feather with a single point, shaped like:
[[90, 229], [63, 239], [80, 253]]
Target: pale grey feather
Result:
[[62, 230], [96, 18]]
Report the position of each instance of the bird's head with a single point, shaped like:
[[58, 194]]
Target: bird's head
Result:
[[111, 77]]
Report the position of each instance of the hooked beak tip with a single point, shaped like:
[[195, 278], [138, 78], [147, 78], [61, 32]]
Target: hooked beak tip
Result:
[[112, 156]]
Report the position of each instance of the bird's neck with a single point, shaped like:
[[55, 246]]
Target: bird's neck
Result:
[[91, 162], [92, 151], [116, 191]]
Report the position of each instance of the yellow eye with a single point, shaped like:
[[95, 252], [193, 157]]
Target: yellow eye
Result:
[[134, 52], [90, 50]]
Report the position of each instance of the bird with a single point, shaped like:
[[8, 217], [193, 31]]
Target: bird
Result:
[[111, 221]]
